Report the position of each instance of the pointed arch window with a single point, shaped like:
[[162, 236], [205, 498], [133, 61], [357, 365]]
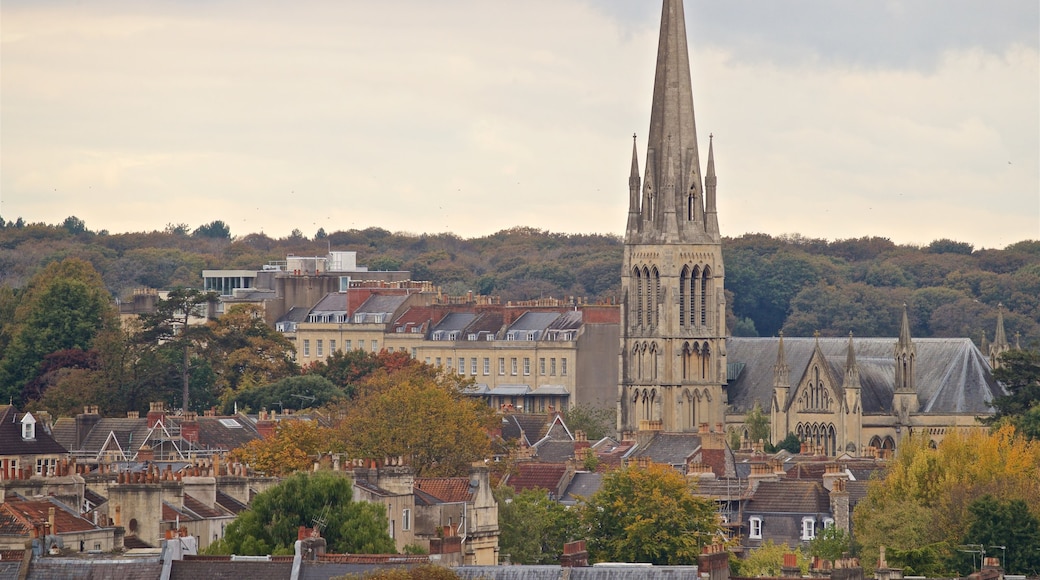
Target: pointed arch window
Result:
[[639, 297], [705, 291], [694, 296], [684, 276]]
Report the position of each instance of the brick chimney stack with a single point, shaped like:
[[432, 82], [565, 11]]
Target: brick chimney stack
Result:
[[190, 428], [156, 413]]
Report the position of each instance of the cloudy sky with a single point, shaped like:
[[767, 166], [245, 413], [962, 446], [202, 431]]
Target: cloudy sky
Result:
[[913, 120]]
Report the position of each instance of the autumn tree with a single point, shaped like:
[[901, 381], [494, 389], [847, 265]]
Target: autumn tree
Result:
[[830, 544], [246, 352], [532, 527], [922, 505], [648, 515], [768, 560], [419, 413], [272, 522], [596, 422], [292, 448]]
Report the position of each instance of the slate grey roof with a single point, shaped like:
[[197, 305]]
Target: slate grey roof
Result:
[[295, 314], [332, 303], [953, 377], [130, 433], [554, 451], [583, 484], [789, 497], [11, 442], [455, 321], [110, 569], [601, 572], [533, 321], [382, 303], [214, 434], [488, 322], [669, 448]]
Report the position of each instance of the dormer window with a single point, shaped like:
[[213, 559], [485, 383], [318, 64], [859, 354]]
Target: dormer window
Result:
[[28, 427]]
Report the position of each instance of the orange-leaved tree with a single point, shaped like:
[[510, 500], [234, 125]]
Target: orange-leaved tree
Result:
[[292, 448], [420, 414]]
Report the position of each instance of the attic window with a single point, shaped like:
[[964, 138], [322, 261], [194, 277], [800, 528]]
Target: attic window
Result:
[[29, 427], [231, 423]]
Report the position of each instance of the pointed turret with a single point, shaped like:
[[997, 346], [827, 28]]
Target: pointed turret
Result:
[[711, 216], [633, 190], [1000, 343], [781, 393], [851, 368], [672, 140], [906, 357], [781, 372]]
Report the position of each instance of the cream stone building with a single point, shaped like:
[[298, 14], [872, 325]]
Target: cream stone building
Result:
[[679, 372]]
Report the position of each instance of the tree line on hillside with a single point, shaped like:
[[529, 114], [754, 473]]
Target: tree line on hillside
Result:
[[792, 283]]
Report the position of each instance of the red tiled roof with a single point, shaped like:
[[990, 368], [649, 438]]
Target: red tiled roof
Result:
[[36, 512], [536, 475], [446, 489]]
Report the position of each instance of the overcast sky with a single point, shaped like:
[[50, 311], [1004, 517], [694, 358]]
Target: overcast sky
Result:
[[912, 120]]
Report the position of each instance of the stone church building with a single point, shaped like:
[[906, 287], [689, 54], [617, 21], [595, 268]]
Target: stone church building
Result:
[[678, 367]]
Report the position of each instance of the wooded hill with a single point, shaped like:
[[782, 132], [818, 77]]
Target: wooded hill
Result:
[[793, 283]]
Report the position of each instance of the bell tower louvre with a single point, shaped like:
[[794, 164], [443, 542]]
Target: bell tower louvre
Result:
[[673, 337]]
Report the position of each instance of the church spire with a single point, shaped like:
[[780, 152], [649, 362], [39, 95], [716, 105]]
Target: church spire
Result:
[[1000, 343], [633, 189], [711, 217], [906, 358], [781, 372], [672, 158], [851, 368]]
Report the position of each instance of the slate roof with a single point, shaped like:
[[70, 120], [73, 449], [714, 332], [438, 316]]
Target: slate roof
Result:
[[534, 426], [79, 569], [64, 432], [135, 543], [455, 321], [554, 451], [488, 322], [670, 448], [11, 442], [332, 303], [214, 434], [583, 484], [953, 377], [295, 314], [230, 504], [382, 303], [202, 510], [421, 317], [445, 489], [129, 433], [529, 321], [790, 497], [227, 570], [93, 497], [536, 475]]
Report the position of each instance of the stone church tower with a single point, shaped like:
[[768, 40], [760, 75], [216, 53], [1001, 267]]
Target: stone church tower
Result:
[[673, 336]]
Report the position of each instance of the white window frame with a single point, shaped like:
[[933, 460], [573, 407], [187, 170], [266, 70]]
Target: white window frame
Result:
[[563, 367], [406, 519], [473, 366], [527, 366], [512, 365], [487, 366], [501, 366], [306, 347], [755, 528], [541, 366], [319, 347], [808, 528]]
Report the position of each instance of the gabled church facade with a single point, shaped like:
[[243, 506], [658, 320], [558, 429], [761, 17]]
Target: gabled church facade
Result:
[[678, 369]]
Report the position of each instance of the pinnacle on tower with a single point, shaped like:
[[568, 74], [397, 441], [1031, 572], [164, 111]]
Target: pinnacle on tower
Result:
[[675, 212], [851, 368], [711, 216], [1000, 338], [781, 371]]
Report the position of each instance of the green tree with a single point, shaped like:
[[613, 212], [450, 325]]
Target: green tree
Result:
[[648, 515], [214, 229], [791, 444], [1020, 374], [532, 527], [830, 544], [271, 524], [246, 351], [172, 327], [65, 306], [596, 422], [757, 424], [768, 560], [299, 392], [1008, 523]]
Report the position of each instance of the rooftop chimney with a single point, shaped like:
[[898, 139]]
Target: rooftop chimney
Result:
[[156, 413]]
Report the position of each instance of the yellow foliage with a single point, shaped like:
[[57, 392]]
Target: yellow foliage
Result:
[[292, 448]]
